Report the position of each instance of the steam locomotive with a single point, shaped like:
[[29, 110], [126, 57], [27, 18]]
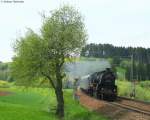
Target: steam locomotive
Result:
[[100, 85]]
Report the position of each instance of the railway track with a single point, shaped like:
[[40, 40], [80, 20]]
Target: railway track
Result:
[[122, 109], [131, 108], [139, 101], [133, 105]]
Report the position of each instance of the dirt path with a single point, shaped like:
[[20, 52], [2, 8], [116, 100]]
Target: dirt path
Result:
[[110, 111]]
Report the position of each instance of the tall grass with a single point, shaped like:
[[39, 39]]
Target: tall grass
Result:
[[142, 89]]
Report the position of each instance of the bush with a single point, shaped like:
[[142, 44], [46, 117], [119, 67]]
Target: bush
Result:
[[142, 89], [4, 84], [145, 84]]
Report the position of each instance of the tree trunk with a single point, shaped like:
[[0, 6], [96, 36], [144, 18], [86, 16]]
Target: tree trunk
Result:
[[59, 93], [60, 102]]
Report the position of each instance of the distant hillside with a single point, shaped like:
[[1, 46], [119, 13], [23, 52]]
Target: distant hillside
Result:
[[108, 50], [121, 57]]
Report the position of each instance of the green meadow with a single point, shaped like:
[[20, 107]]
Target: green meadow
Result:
[[39, 104]]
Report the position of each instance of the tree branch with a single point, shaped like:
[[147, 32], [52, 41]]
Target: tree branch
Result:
[[62, 60], [49, 78]]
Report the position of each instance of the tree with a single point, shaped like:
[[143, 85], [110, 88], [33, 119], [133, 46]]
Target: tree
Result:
[[4, 71], [43, 56]]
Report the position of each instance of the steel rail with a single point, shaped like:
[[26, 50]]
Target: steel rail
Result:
[[131, 108], [139, 101]]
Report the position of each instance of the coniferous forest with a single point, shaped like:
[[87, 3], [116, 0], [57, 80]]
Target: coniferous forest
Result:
[[121, 57]]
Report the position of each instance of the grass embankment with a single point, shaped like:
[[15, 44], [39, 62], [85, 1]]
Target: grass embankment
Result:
[[142, 89], [39, 104]]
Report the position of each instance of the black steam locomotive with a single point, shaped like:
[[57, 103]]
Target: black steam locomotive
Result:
[[100, 85]]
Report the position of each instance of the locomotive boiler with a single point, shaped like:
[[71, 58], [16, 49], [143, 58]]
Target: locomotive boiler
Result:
[[100, 85]]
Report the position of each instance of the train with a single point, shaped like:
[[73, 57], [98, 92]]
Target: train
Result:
[[100, 85]]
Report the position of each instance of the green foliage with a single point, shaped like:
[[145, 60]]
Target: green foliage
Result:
[[5, 72], [121, 73], [124, 88], [26, 63], [121, 57], [64, 30], [43, 56], [4, 84], [145, 84], [142, 91], [38, 104], [40, 55]]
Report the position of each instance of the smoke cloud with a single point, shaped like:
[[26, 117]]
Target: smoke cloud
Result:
[[81, 68]]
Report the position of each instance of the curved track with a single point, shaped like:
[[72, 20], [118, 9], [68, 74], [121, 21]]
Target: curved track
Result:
[[126, 98], [121, 109], [133, 105], [131, 108]]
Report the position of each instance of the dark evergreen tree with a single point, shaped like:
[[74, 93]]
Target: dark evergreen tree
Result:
[[141, 65]]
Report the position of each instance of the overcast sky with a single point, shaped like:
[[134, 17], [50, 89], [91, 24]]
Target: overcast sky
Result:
[[118, 22]]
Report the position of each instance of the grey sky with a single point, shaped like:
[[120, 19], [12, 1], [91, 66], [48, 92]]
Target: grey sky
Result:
[[118, 22]]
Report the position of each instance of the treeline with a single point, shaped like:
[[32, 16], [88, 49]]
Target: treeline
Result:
[[5, 72], [121, 56]]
